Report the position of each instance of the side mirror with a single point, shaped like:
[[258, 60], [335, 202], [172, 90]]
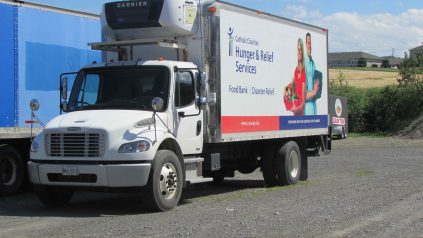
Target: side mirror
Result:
[[201, 101], [157, 104], [64, 88], [64, 106], [34, 105], [201, 82]]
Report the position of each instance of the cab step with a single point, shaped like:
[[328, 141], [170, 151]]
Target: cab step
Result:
[[194, 171]]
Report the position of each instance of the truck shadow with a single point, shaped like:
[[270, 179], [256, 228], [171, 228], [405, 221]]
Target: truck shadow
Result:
[[86, 204], [228, 186]]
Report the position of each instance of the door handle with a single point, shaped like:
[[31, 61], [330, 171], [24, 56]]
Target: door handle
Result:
[[198, 127]]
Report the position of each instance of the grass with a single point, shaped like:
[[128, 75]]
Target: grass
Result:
[[368, 134], [365, 77], [363, 173], [251, 193], [368, 69]]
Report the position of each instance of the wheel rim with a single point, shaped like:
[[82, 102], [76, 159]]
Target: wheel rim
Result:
[[168, 181], [294, 164], [7, 171]]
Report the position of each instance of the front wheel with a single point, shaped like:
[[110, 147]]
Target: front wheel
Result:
[[164, 186]]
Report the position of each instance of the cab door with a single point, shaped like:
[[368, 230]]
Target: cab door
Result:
[[189, 119]]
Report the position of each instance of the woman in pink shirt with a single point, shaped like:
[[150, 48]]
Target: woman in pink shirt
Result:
[[298, 85]]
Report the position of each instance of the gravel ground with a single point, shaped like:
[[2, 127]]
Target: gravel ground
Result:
[[367, 187]]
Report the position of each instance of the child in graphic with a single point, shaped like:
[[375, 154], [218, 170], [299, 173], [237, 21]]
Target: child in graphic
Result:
[[312, 84], [294, 96]]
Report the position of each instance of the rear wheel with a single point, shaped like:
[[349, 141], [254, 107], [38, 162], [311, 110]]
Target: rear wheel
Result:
[[164, 187], [53, 196], [11, 170], [288, 164], [344, 135]]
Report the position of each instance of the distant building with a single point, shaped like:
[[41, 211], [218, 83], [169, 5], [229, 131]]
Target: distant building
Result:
[[353, 59], [418, 51], [394, 62]]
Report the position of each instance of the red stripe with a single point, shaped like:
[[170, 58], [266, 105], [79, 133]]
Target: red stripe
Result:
[[239, 124]]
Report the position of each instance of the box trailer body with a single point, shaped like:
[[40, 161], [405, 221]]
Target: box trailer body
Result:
[[196, 90], [249, 57], [37, 43]]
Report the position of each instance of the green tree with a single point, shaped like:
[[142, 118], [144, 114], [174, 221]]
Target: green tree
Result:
[[339, 86], [385, 63], [362, 62], [411, 72]]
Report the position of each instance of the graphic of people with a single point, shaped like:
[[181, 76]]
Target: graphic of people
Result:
[[295, 92], [312, 84]]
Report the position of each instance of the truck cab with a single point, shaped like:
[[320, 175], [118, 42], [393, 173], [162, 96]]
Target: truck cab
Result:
[[118, 116]]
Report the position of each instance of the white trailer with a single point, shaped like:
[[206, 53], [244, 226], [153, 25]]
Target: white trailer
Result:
[[190, 92]]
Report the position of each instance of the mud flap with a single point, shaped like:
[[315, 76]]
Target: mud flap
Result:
[[304, 162]]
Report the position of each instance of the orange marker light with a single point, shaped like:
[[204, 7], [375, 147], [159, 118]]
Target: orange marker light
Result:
[[161, 59], [212, 9]]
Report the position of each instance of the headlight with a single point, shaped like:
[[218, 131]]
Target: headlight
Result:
[[34, 146], [135, 147]]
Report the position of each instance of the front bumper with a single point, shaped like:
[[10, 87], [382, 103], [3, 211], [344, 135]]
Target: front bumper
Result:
[[113, 176]]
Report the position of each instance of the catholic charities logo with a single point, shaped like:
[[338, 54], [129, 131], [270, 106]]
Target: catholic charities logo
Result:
[[231, 41]]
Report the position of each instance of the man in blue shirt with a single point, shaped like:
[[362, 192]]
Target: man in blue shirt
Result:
[[312, 84]]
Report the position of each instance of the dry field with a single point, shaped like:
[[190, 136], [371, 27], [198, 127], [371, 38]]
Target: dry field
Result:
[[365, 79]]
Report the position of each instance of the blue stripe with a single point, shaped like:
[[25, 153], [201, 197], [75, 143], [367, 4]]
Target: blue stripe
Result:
[[303, 122], [16, 62], [7, 67]]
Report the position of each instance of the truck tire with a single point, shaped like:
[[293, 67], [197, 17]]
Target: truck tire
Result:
[[268, 167], [11, 170], [343, 136], [288, 164], [164, 186], [53, 196]]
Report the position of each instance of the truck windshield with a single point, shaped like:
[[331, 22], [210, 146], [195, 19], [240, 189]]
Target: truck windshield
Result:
[[119, 88]]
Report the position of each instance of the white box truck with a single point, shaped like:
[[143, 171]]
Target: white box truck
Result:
[[190, 92]]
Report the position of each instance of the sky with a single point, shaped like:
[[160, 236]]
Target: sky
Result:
[[379, 27]]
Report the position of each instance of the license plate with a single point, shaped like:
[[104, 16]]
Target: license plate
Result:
[[70, 171]]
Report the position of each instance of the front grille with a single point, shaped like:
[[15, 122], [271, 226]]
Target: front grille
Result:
[[75, 144]]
